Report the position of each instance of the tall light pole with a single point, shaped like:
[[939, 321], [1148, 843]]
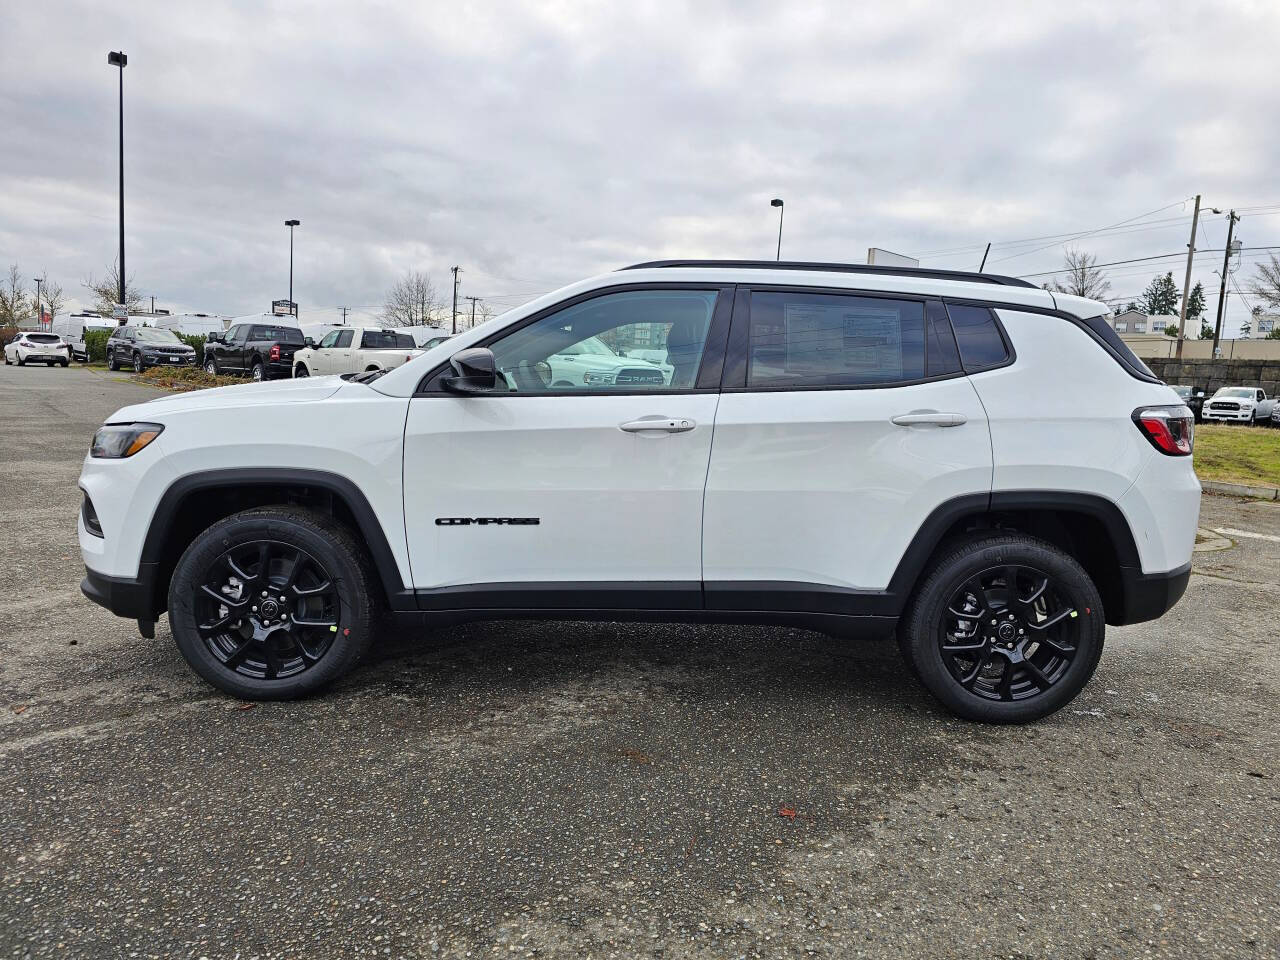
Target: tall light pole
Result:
[[39, 315], [1222, 293], [1186, 284], [118, 59], [775, 202], [291, 224]]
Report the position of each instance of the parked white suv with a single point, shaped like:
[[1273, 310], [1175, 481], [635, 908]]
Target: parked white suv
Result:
[[1238, 405], [974, 462]]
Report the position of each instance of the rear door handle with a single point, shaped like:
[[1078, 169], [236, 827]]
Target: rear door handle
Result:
[[932, 418], [664, 424]]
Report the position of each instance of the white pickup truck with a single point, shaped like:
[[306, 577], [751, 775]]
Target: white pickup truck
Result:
[[1238, 405], [354, 350]]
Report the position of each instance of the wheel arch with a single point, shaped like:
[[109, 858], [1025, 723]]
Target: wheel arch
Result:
[[1090, 528], [194, 502]]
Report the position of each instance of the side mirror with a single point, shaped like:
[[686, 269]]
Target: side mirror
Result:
[[308, 342], [475, 371], [213, 338]]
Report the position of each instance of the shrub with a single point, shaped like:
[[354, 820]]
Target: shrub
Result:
[[95, 345], [8, 334], [196, 342], [185, 378]]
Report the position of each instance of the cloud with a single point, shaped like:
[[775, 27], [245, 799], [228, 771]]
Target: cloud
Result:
[[536, 144]]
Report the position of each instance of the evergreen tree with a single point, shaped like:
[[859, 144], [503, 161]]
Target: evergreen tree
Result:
[[1161, 297], [1195, 302]]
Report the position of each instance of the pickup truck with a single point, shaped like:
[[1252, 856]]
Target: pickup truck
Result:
[[355, 350], [262, 351], [1239, 405]]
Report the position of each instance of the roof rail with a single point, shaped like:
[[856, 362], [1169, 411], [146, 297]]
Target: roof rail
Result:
[[923, 272]]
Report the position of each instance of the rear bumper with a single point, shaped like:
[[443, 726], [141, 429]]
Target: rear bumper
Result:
[[279, 369], [123, 596], [1148, 596]]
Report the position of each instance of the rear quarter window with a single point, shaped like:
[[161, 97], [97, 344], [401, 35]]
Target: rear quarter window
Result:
[[978, 337]]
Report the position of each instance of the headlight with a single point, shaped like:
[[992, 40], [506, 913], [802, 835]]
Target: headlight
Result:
[[118, 440]]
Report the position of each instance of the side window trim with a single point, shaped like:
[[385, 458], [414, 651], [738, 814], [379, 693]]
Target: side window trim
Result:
[[709, 367]]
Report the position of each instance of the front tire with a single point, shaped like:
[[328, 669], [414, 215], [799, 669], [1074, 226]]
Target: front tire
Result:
[[301, 371], [996, 657], [137, 363], [211, 367], [273, 603]]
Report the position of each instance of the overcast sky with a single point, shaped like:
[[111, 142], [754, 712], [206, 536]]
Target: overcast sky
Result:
[[537, 144]]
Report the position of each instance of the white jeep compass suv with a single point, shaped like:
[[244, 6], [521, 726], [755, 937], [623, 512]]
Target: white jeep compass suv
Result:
[[975, 463]]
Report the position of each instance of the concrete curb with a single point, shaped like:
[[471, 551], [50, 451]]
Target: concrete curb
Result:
[[1241, 490]]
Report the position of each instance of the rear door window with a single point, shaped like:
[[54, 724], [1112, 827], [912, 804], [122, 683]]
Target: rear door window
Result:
[[801, 339], [981, 345]]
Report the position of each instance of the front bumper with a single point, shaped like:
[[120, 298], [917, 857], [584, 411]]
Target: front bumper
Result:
[[1148, 596], [123, 596], [169, 360], [1229, 416]]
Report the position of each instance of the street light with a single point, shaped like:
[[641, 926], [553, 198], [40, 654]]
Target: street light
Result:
[[39, 315], [775, 202], [291, 224], [118, 59]]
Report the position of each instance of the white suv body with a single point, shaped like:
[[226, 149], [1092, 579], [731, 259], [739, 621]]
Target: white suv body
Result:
[[867, 423], [1238, 405]]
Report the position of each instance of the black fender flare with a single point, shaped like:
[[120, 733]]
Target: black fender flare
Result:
[[399, 595]]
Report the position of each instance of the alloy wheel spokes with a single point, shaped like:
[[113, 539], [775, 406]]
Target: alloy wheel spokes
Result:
[[1009, 633], [267, 610]]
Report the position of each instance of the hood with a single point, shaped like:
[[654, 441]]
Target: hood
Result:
[[270, 392]]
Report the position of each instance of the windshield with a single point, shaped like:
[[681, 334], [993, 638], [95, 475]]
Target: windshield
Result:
[[153, 335], [1244, 393]]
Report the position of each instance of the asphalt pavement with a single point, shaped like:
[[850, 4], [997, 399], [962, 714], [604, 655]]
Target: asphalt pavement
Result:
[[618, 790]]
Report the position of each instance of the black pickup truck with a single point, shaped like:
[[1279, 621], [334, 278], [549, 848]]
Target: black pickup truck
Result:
[[262, 351]]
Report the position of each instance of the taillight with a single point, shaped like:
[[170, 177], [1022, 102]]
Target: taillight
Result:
[[1171, 429], [275, 351]]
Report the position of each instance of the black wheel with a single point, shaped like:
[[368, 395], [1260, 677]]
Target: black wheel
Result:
[[272, 603], [21, 362], [137, 363], [258, 372], [111, 361], [211, 367], [65, 363], [301, 371], [1004, 630]]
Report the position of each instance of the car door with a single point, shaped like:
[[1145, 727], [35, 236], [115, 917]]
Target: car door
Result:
[[342, 356], [844, 421], [576, 495], [320, 356]]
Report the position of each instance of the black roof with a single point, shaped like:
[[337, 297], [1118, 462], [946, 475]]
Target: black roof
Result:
[[923, 272]]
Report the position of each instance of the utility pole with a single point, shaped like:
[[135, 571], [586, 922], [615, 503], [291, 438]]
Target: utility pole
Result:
[[1186, 284], [344, 315], [1222, 293], [118, 59], [153, 305], [455, 298], [473, 310]]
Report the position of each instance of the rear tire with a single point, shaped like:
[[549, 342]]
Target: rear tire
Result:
[[65, 363], [21, 361], [1005, 662], [244, 653], [258, 372]]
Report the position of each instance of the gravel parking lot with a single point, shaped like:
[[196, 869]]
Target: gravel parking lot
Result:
[[600, 790]]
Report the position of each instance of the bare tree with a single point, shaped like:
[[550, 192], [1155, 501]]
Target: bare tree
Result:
[[1083, 278], [106, 290], [1266, 285], [54, 299], [411, 302], [13, 298]]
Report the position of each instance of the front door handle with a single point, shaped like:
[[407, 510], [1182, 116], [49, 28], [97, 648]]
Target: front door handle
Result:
[[657, 423], [930, 417]]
